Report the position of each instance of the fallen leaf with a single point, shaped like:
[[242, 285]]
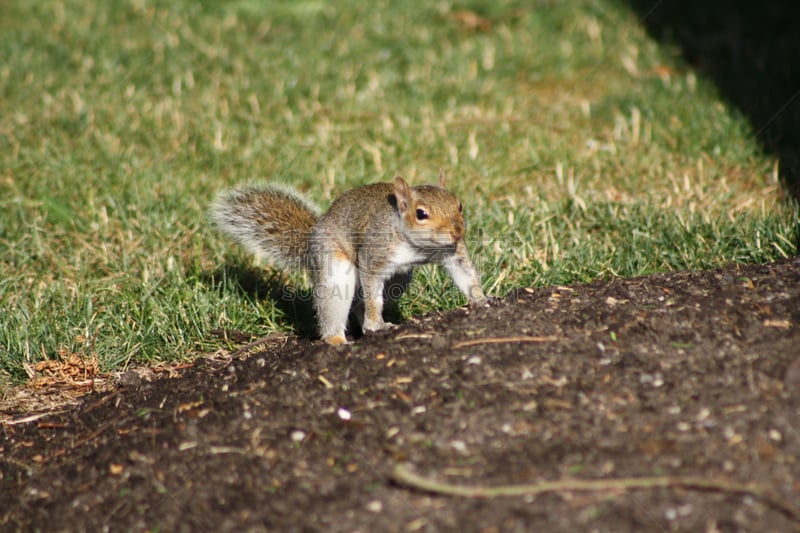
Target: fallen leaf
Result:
[[471, 20]]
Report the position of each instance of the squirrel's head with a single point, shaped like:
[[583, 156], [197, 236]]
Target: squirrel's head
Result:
[[431, 215]]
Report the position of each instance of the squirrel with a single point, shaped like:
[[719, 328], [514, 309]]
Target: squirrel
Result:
[[364, 248]]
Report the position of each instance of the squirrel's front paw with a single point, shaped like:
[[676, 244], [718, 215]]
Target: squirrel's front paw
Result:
[[486, 301], [480, 302], [373, 325], [336, 340]]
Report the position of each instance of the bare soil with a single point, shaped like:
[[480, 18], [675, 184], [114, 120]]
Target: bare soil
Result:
[[680, 374]]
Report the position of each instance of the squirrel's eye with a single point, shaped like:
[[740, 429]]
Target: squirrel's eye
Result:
[[460, 207], [422, 214]]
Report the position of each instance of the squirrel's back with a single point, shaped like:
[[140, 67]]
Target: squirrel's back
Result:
[[271, 220]]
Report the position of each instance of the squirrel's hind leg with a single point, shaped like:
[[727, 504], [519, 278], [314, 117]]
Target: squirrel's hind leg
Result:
[[393, 290], [372, 292], [335, 285]]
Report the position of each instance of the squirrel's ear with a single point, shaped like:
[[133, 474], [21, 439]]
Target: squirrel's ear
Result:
[[402, 192], [442, 178]]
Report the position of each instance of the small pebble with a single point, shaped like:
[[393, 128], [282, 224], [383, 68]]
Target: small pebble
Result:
[[791, 380], [459, 445], [439, 342], [131, 378]]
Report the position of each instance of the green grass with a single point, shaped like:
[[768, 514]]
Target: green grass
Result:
[[581, 148]]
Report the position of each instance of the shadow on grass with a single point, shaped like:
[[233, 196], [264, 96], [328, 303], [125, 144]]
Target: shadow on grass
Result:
[[295, 303], [258, 284], [751, 51]]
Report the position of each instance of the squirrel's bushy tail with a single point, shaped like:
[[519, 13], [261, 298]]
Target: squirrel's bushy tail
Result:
[[271, 220]]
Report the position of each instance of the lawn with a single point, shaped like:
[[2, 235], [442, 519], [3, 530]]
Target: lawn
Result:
[[581, 148]]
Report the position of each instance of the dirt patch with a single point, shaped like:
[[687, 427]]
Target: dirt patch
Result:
[[683, 374]]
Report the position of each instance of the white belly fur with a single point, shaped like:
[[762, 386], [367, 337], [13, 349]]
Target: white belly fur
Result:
[[406, 255]]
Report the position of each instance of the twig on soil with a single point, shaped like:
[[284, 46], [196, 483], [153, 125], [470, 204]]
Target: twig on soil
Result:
[[31, 418], [17, 463], [258, 342], [105, 399], [502, 340], [173, 368], [96, 433], [405, 476], [413, 336]]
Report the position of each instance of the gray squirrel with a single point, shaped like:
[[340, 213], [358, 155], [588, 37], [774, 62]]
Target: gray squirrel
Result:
[[365, 245]]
